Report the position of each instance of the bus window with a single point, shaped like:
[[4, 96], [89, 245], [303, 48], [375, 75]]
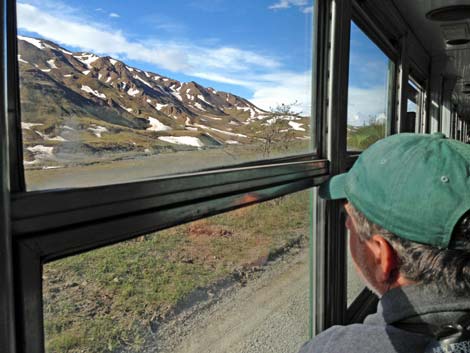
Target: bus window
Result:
[[145, 91], [415, 108], [200, 287], [370, 73], [355, 284]]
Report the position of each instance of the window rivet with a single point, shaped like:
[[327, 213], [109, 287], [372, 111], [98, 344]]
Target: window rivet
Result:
[[444, 179]]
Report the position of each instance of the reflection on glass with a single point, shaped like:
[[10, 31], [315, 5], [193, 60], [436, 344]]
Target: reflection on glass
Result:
[[355, 284], [413, 113], [236, 282], [370, 75], [149, 90]]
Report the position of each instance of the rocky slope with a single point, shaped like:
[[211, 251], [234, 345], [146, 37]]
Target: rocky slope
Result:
[[80, 103]]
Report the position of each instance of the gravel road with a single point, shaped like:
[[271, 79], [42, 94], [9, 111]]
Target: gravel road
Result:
[[267, 313]]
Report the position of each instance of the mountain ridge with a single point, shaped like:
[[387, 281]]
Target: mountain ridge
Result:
[[82, 102]]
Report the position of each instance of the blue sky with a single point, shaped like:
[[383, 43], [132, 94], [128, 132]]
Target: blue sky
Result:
[[368, 79], [260, 50]]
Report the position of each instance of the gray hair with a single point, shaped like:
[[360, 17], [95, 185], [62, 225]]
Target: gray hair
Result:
[[447, 268]]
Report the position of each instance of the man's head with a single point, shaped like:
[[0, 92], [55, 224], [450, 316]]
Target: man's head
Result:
[[408, 197]]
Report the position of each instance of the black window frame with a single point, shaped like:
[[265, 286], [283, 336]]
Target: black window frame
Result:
[[45, 225]]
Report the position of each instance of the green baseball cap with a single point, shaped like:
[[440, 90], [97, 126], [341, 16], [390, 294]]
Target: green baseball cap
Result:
[[415, 186]]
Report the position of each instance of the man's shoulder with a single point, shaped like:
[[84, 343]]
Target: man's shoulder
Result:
[[362, 338]]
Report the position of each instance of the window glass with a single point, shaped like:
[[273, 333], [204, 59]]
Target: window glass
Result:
[[369, 103], [124, 92], [355, 284], [414, 115], [236, 282]]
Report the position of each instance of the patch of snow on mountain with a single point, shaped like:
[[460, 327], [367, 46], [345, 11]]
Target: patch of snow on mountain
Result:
[[232, 122], [160, 106], [48, 138], [156, 125], [28, 126], [36, 42], [65, 51], [68, 75], [112, 61], [147, 74], [108, 79], [251, 110], [133, 92], [30, 162], [21, 60], [296, 126], [129, 68], [165, 80], [86, 72], [99, 76], [51, 63], [201, 97], [46, 70], [190, 128], [98, 130], [183, 140], [128, 109], [199, 106], [66, 127], [93, 92], [232, 142], [143, 81], [149, 101], [87, 59], [156, 78], [220, 131], [41, 151], [177, 95]]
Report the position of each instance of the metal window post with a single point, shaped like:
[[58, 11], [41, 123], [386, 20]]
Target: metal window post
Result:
[[7, 316], [330, 280], [402, 85]]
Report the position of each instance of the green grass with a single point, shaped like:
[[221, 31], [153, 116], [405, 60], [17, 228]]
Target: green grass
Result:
[[359, 138], [107, 299]]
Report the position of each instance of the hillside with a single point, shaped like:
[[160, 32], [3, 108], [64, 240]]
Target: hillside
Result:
[[80, 104]]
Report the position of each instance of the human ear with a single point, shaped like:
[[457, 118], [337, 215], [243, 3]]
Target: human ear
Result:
[[385, 259]]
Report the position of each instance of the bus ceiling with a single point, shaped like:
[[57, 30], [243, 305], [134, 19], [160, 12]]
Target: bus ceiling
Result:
[[442, 29]]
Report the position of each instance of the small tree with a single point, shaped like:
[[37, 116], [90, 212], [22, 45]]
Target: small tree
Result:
[[275, 130]]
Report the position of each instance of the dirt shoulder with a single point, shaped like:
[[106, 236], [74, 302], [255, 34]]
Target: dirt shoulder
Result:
[[268, 313]]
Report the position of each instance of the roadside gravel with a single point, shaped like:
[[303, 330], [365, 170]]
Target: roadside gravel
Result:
[[266, 313]]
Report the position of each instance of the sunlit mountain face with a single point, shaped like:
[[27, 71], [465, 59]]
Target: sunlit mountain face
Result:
[[79, 102]]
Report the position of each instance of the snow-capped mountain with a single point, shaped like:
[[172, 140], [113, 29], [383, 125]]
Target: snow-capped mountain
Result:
[[78, 101]]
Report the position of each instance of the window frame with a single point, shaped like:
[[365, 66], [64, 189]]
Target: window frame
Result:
[[51, 224]]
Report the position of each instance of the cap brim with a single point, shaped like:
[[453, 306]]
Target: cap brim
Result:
[[333, 189]]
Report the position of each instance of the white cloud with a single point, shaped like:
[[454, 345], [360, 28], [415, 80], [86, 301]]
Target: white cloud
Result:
[[168, 55], [261, 74], [365, 104], [114, 14], [283, 88], [285, 4]]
